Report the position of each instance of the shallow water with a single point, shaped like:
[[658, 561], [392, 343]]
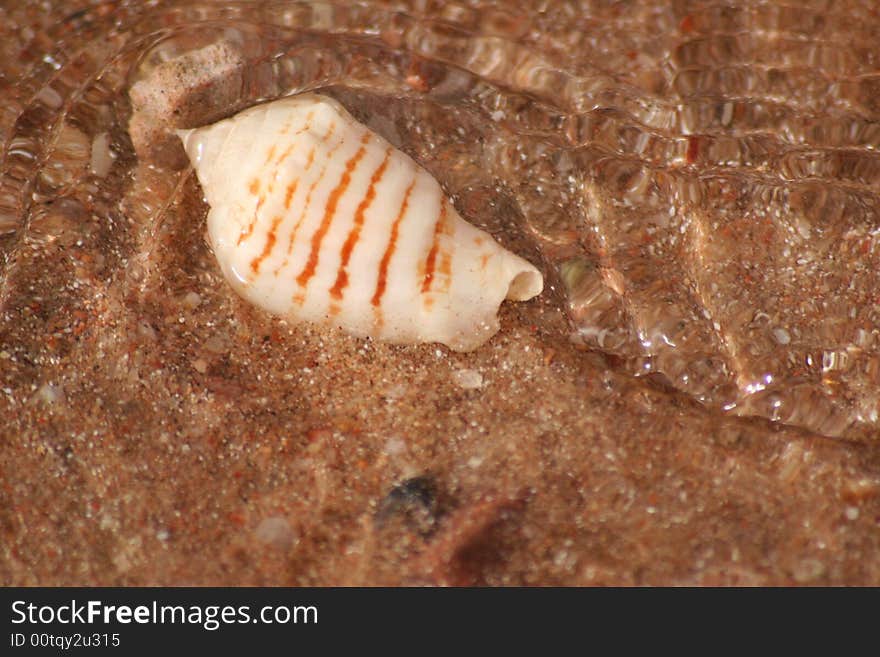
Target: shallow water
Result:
[[699, 183]]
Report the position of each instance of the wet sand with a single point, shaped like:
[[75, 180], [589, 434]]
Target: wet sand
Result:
[[158, 430]]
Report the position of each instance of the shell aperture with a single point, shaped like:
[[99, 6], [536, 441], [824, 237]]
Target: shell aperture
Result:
[[315, 217]]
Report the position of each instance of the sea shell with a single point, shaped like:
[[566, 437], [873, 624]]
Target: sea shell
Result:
[[315, 217]]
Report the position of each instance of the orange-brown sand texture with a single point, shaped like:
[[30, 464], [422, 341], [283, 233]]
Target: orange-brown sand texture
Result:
[[155, 429]]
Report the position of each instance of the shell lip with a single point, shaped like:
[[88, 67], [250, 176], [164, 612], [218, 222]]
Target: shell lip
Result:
[[525, 285]]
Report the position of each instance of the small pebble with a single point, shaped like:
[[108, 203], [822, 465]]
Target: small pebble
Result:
[[395, 446], [808, 570], [468, 379], [49, 394], [216, 345], [275, 531], [414, 500], [200, 365], [192, 300], [781, 336]]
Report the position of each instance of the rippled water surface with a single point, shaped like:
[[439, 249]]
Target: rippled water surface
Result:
[[699, 181]]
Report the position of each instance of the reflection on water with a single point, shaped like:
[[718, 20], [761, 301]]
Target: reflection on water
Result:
[[700, 181]]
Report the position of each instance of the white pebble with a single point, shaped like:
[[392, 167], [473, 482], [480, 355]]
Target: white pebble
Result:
[[781, 336], [395, 446], [275, 531], [468, 379], [192, 300]]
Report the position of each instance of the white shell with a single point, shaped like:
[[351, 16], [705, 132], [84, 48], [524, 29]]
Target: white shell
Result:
[[315, 217]]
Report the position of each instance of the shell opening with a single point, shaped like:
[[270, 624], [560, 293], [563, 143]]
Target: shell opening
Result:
[[525, 285]]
